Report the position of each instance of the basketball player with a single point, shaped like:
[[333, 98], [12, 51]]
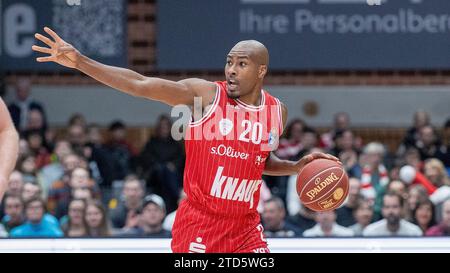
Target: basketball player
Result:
[[9, 147], [222, 177]]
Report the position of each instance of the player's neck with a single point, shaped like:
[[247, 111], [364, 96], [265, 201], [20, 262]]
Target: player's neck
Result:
[[253, 98]]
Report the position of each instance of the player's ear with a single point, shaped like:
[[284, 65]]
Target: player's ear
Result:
[[262, 71]]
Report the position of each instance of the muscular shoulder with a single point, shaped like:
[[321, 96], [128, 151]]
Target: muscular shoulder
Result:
[[201, 88]]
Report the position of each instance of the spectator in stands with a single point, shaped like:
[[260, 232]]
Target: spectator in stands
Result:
[[420, 119], [327, 227], [443, 228], [416, 194], [274, 220], [344, 142], [97, 220], [374, 178], [85, 193], [445, 148], [77, 119], [341, 122], [429, 143], [150, 219], [31, 190], [60, 189], [77, 137], [55, 170], [34, 225], [345, 214], [161, 163], [303, 219], [23, 104], [290, 145], [309, 140], [435, 172], [13, 212], [124, 212], [412, 158], [170, 218], [424, 215], [349, 159], [398, 187], [75, 225], [79, 178], [37, 148], [393, 223], [15, 185], [102, 167], [363, 216], [121, 152], [27, 166], [14, 188]]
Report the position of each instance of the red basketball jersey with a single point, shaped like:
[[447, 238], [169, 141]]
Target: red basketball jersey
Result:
[[226, 152]]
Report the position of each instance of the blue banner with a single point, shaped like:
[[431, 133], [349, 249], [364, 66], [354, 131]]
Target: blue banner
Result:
[[307, 34], [96, 28]]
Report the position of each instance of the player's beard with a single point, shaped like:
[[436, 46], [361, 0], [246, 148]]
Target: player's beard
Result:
[[233, 95]]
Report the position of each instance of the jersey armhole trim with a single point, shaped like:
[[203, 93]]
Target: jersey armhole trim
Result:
[[280, 116], [210, 110]]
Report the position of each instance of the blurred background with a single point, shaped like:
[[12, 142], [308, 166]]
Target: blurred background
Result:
[[367, 83]]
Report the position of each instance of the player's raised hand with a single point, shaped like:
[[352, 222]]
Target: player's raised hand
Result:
[[58, 50]]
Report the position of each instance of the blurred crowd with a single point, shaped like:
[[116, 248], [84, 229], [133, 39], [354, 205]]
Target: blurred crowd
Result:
[[81, 182]]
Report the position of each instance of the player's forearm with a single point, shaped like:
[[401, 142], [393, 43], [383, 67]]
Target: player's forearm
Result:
[[122, 79], [9, 149], [278, 167]]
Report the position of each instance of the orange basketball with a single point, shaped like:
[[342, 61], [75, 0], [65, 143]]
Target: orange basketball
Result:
[[322, 185]]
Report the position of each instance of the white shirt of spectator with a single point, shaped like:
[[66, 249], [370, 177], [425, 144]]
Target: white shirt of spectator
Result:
[[380, 229], [336, 231]]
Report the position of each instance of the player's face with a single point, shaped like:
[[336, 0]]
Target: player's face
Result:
[[241, 73]]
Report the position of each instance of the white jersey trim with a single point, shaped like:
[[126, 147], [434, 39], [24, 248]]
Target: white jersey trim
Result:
[[253, 107], [280, 115], [210, 111]]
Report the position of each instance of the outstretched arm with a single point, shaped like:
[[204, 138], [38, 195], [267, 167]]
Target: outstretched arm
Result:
[[9, 147], [278, 167], [125, 80]]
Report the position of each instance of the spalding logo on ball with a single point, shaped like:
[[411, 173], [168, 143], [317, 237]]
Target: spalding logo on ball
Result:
[[322, 185]]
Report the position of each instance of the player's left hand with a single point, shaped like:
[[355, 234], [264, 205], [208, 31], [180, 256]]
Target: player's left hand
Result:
[[308, 158]]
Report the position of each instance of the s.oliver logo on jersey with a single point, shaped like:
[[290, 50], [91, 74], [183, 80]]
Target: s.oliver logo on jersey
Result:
[[230, 188], [228, 151]]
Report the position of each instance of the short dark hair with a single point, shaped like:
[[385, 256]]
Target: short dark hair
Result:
[[447, 123], [9, 196], [394, 194], [35, 199], [278, 201], [115, 125]]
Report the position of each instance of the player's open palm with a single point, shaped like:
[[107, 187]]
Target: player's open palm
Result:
[[58, 50]]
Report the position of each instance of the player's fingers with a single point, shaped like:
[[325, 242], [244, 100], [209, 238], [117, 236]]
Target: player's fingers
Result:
[[45, 59], [332, 157], [52, 33], [44, 39], [325, 156], [64, 49], [41, 49]]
